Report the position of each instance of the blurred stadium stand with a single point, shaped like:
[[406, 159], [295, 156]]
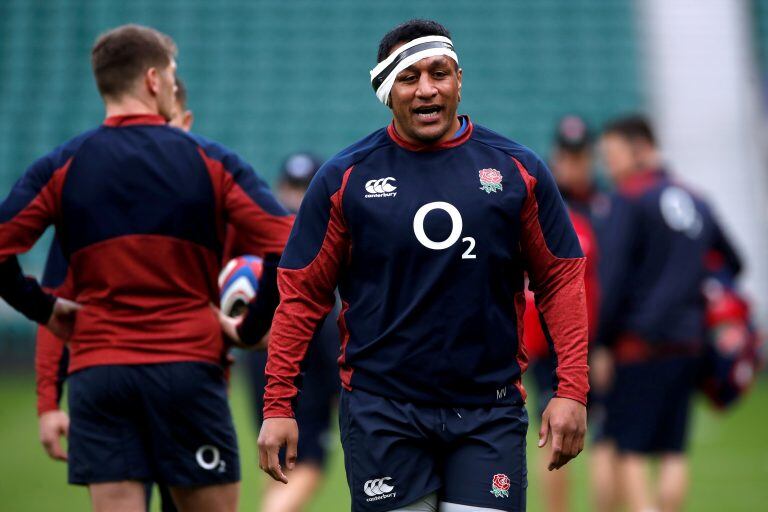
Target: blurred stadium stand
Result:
[[270, 77]]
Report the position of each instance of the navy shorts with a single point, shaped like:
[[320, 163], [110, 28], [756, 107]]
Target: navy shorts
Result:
[[396, 453], [649, 405], [319, 393], [158, 422]]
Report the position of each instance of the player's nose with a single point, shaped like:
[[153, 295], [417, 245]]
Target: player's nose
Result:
[[426, 87]]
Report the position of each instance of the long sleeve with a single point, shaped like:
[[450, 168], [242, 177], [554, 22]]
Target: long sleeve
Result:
[[555, 265], [29, 209], [307, 278], [50, 367]]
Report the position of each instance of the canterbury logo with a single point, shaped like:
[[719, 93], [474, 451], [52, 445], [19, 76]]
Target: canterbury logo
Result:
[[381, 187], [378, 488]]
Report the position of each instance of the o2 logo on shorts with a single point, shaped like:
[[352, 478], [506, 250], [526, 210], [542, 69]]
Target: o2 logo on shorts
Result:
[[209, 458], [457, 225]]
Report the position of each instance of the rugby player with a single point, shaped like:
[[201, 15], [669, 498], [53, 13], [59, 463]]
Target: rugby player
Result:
[[321, 384], [652, 311], [140, 211], [51, 354], [571, 162], [427, 227]]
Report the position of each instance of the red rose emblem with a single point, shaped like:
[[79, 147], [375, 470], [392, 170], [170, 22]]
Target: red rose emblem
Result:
[[501, 482], [490, 176]]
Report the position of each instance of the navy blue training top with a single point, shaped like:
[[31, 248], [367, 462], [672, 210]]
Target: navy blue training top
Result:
[[428, 246]]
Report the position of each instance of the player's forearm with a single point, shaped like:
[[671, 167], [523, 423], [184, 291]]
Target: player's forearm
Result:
[[306, 299], [49, 370], [561, 299], [24, 294]]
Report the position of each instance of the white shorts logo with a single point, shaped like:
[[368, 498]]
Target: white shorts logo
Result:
[[378, 489], [209, 458], [380, 188]]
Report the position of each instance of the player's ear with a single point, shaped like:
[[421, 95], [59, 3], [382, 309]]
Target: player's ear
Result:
[[189, 118], [152, 80], [458, 77]]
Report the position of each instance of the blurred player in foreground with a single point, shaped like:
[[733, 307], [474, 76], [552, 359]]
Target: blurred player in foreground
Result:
[[140, 210], [320, 379], [572, 167], [651, 318], [427, 227], [51, 353]]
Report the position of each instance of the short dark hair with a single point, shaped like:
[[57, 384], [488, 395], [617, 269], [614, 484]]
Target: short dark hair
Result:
[[181, 93], [632, 127], [123, 54], [408, 31]]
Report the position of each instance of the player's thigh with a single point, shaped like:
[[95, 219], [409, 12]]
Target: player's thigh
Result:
[[221, 498], [388, 457], [486, 467], [127, 496], [107, 440], [192, 433]]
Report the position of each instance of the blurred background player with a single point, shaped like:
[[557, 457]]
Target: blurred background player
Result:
[[51, 353], [652, 312], [139, 209], [572, 166], [321, 384]]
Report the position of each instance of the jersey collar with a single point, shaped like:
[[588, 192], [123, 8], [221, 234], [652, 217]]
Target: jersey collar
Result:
[[452, 143], [133, 119]]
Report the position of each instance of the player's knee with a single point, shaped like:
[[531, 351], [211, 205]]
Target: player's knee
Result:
[[455, 507], [426, 504]]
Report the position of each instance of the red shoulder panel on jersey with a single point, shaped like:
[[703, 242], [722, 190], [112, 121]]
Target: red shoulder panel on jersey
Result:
[[307, 296]]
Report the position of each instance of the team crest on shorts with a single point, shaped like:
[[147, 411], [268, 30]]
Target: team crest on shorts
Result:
[[500, 485], [490, 180]]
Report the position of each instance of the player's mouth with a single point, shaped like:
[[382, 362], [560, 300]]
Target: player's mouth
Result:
[[428, 113]]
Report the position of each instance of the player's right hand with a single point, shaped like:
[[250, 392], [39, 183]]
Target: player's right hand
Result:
[[62, 320], [53, 426], [276, 433]]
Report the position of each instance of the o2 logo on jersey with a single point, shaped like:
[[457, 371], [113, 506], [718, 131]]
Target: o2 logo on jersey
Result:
[[209, 458], [679, 211], [457, 224]]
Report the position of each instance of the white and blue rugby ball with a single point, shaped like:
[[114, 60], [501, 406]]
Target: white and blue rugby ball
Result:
[[239, 284]]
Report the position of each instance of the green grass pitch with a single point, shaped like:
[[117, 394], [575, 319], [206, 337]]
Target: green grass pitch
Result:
[[729, 457]]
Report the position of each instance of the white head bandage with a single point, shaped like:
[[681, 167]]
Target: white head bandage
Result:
[[383, 75]]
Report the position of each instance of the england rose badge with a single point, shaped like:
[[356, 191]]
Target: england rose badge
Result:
[[490, 180], [500, 486]]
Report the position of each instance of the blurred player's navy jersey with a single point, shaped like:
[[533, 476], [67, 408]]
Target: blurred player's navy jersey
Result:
[[655, 241], [140, 210], [428, 246]]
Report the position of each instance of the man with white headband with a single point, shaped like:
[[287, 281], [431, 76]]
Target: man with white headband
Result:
[[427, 228]]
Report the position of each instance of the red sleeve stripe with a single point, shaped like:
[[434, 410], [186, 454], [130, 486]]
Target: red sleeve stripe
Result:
[[306, 297], [48, 353], [20, 233], [558, 285]]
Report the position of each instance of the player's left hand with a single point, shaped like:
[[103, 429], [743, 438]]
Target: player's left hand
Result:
[[229, 327], [62, 320], [565, 422], [53, 426]]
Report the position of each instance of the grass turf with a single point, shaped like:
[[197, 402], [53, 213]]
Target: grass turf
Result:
[[729, 459]]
